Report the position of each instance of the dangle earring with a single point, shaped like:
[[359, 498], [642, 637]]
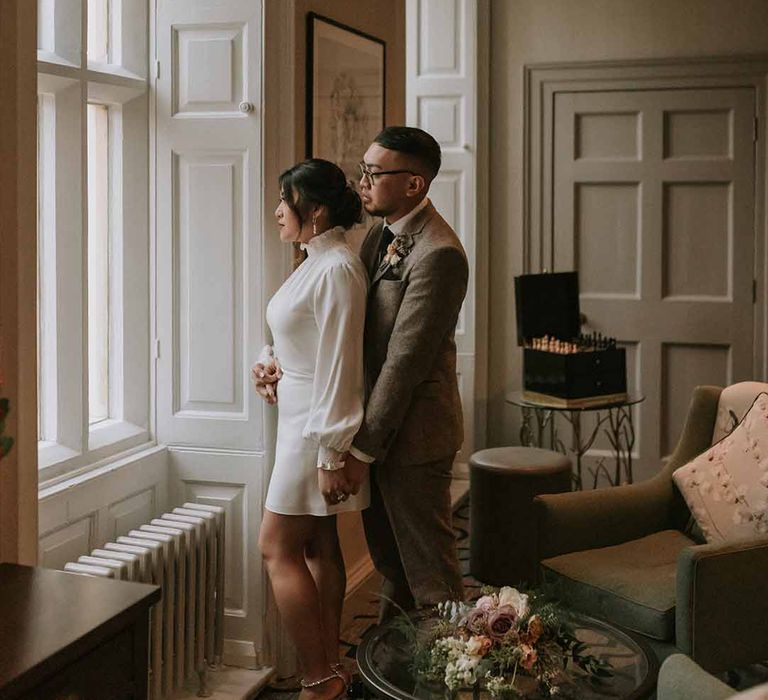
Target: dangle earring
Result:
[[314, 225]]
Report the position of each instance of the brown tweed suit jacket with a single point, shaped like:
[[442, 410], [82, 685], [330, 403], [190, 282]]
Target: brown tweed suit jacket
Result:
[[413, 411]]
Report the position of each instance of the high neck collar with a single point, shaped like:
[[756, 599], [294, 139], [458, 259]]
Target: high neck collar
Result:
[[325, 240]]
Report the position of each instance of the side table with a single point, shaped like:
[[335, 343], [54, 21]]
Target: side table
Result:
[[66, 636], [539, 429]]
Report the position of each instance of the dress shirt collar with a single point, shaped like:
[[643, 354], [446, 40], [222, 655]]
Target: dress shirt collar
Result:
[[399, 226]]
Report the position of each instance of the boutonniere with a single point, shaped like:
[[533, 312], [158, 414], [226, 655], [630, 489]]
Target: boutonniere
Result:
[[398, 250]]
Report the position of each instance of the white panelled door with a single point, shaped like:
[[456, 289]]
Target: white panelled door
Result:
[[441, 98], [209, 281], [653, 203]]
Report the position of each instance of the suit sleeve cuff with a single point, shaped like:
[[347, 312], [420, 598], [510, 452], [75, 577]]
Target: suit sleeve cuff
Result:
[[362, 456]]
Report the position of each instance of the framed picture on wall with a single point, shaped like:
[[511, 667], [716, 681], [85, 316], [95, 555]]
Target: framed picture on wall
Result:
[[345, 92]]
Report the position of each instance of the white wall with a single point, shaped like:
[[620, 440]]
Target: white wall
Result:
[[543, 31]]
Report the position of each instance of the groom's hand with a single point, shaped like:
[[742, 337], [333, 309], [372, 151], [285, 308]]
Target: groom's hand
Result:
[[356, 472], [265, 379], [333, 485]]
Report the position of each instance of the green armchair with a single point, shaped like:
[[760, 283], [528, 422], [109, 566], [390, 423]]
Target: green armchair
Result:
[[682, 679], [628, 555]]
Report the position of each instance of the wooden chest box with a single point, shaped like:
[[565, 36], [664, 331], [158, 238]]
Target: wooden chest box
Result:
[[561, 366]]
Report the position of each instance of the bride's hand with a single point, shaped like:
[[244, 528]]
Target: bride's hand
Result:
[[265, 378], [333, 485]]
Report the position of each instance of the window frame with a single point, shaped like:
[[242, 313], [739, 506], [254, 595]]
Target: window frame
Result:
[[67, 82]]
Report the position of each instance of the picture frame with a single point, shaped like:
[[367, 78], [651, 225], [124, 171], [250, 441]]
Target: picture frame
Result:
[[346, 92]]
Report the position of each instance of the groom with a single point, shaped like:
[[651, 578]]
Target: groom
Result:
[[413, 422]]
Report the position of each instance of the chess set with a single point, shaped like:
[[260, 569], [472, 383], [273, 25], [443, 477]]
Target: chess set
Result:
[[561, 365]]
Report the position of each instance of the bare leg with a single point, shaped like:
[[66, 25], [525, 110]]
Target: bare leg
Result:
[[283, 540], [326, 564]]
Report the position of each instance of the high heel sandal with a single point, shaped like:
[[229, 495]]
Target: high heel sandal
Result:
[[342, 672], [320, 681]]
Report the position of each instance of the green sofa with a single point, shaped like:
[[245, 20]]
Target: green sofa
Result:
[[683, 679], [629, 555]]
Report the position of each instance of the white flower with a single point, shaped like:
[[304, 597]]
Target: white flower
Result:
[[461, 671], [513, 597], [478, 646]]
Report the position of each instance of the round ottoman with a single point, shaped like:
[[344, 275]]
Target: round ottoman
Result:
[[503, 533]]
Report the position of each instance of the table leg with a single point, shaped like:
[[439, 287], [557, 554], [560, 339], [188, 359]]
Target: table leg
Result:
[[621, 434], [526, 431], [581, 443]]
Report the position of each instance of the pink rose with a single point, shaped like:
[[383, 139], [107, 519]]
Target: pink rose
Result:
[[476, 621], [485, 603], [502, 622]]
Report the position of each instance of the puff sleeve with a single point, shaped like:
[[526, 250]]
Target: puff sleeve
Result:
[[336, 410]]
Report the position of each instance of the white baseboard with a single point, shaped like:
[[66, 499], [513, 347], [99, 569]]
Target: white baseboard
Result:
[[228, 683], [242, 653], [357, 574]]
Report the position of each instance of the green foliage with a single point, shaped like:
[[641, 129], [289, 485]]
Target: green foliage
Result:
[[542, 645]]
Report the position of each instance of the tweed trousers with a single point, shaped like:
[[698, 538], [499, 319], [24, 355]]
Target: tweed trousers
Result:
[[409, 533]]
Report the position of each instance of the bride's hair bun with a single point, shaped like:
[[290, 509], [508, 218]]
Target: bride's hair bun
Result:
[[318, 181], [349, 208]]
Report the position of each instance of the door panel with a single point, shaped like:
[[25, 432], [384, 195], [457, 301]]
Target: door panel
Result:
[[653, 203], [209, 278]]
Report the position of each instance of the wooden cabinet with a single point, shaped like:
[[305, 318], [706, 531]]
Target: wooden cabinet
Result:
[[69, 637]]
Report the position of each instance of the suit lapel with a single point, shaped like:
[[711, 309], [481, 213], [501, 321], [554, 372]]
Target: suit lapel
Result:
[[371, 248]]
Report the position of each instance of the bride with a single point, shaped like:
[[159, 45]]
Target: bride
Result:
[[317, 319]]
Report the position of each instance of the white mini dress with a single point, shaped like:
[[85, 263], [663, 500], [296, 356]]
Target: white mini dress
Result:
[[317, 318]]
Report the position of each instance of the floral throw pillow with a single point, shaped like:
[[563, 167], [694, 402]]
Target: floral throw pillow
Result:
[[726, 487]]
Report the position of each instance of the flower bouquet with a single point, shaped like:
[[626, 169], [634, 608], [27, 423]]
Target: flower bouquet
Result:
[[508, 643]]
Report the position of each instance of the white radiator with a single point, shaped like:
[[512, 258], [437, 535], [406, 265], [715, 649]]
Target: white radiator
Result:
[[183, 553]]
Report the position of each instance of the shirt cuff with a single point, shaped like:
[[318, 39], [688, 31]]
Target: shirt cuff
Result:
[[361, 455], [332, 459]]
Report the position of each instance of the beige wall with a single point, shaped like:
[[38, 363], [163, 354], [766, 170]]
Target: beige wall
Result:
[[384, 19], [18, 237], [542, 31]]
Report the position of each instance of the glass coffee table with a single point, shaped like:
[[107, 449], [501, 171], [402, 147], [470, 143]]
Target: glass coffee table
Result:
[[385, 666]]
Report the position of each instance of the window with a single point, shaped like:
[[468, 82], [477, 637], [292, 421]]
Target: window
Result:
[[93, 220], [98, 263]]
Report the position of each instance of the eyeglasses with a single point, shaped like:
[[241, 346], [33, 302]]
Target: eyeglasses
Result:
[[370, 175]]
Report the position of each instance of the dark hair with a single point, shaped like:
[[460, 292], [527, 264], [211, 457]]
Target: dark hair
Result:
[[414, 142], [321, 182]]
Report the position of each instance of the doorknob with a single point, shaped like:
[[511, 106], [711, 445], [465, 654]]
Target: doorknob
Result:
[[246, 107]]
